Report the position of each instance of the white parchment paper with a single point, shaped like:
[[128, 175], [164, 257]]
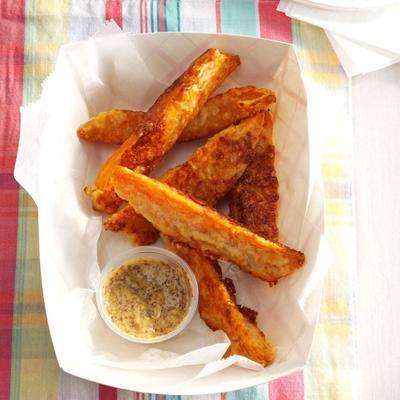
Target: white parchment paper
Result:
[[119, 70]]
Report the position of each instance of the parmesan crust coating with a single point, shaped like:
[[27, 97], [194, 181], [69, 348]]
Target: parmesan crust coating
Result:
[[112, 127], [226, 109], [210, 173], [176, 107], [164, 122], [139, 231], [254, 200], [218, 113], [218, 308], [203, 228]]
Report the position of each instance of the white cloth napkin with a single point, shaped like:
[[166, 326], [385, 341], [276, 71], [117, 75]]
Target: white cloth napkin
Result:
[[357, 58], [348, 4], [364, 33]]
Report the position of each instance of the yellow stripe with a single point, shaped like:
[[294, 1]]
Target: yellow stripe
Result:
[[316, 57], [54, 7], [38, 69], [30, 320], [338, 171], [335, 307], [338, 208], [33, 296], [332, 329]]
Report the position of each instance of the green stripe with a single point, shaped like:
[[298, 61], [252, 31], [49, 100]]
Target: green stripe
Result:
[[157, 19], [172, 17], [255, 392], [178, 13], [239, 17], [151, 15]]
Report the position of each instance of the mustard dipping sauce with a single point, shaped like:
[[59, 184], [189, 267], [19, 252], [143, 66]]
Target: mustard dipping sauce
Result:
[[147, 298]]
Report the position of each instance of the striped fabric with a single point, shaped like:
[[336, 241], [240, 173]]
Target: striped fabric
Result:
[[31, 33]]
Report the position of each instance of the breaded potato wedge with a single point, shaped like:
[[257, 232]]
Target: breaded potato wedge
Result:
[[135, 226], [215, 167], [102, 193], [219, 112], [226, 109], [164, 122], [254, 200], [210, 173], [204, 228], [218, 309], [176, 107], [112, 127]]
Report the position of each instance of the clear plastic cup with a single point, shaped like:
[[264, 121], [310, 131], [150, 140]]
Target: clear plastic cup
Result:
[[155, 253]]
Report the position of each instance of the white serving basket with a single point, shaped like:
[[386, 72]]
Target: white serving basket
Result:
[[120, 70]]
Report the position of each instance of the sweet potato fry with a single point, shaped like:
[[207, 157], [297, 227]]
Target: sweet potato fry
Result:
[[113, 126], [219, 112], [254, 201], [208, 175], [219, 310], [201, 227], [164, 122]]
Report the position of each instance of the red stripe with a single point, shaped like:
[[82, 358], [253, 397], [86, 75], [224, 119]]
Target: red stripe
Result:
[[161, 18], [107, 393], [274, 24], [288, 388], [12, 16], [141, 15], [218, 15], [114, 11]]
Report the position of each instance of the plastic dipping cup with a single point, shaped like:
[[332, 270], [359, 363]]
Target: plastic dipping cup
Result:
[[151, 253]]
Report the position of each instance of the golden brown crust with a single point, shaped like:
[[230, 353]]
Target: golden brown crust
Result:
[[169, 115], [226, 109], [218, 113], [201, 227], [215, 167], [102, 195], [218, 309], [254, 201], [139, 230], [113, 126], [176, 107], [103, 200], [210, 173]]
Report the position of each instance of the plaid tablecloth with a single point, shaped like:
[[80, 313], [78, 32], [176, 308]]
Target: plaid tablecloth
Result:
[[31, 32]]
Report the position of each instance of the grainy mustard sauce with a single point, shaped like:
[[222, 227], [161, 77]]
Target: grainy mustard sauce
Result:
[[147, 298]]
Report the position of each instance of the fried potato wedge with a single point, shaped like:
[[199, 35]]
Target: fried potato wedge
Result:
[[219, 112], [226, 109], [135, 226], [215, 167], [102, 193], [219, 310], [164, 122], [254, 200], [210, 173], [202, 227], [112, 127]]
